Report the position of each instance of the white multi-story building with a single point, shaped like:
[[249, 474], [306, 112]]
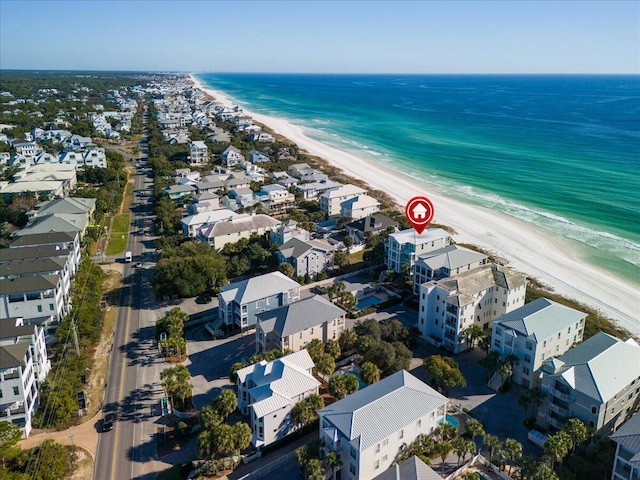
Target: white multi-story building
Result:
[[199, 153], [445, 262], [597, 381], [534, 332], [626, 465], [267, 391], [359, 207], [477, 297], [331, 200], [403, 248], [18, 390], [33, 297], [369, 428]]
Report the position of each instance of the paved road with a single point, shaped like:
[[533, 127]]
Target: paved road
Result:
[[133, 387]]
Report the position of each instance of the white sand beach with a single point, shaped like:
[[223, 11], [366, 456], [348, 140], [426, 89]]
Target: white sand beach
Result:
[[525, 248]]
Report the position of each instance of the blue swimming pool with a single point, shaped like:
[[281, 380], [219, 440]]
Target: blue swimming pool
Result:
[[354, 371], [368, 301], [451, 420]]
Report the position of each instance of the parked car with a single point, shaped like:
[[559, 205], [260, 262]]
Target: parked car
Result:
[[107, 422]]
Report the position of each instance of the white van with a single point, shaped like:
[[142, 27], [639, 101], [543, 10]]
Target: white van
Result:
[[128, 257]]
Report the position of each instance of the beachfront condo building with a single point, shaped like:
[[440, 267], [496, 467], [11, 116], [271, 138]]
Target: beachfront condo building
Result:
[[534, 332], [240, 302], [267, 391], [598, 382], [293, 326], [369, 427], [331, 200], [404, 247], [477, 297], [198, 153], [445, 262], [626, 464]]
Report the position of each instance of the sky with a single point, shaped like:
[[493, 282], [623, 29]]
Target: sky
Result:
[[322, 37]]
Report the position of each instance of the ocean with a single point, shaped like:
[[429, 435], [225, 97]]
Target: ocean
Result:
[[559, 152]]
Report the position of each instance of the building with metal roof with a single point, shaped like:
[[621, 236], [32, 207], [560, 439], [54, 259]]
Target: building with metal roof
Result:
[[477, 296], [240, 302], [307, 257], [403, 248], [626, 465], [445, 262], [411, 469], [267, 391], [369, 427], [597, 381], [534, 332], [293, 326]]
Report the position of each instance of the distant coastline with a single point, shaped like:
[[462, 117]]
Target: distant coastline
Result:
[[544, 258]]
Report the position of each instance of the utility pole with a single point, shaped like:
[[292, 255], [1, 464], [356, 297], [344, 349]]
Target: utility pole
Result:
[[75, 336]]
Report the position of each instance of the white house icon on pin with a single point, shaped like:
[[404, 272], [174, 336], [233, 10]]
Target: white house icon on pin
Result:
[[419, 212]]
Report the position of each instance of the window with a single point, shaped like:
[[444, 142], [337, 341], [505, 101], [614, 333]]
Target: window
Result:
[[497, 343], [51, 307], [385, 442], [376, 465], [419, 423], [528, 346], [527, 358], [352, 468], [377, 449], [384, 459], [16, 391], [593, 410], [498, 331], [558, 336], [311, 330], [401, 434], [39, 308], [525, 371], [544, 344], [352, 452]]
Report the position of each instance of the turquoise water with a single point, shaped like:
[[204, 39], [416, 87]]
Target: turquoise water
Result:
[[450, 419], [559, 152], [368, 301], [353, 370]]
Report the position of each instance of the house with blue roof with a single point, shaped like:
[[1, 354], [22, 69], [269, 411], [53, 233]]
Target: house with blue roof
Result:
[[626, 465], [370, 427]]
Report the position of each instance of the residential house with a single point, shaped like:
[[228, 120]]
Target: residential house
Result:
[[403, 248], [55, 222], [475, 297], [376, 224], [192, 223], [68, 205], [307, 257], [178, 192], [369, 428], [33, 297], [240, 302], [445, 262], [221, 233], [36, 267], [626, 464], [268, 391], [293, 326], [534, 332], [597, 381], [411, 469], [286, 231], [199, 153], [27, 148], [359, 207], [276, 198], [67, 243], [203, 202], [262, 137], [258, 157], [19, 393], [331, 200], [231, 156], [313, 190]]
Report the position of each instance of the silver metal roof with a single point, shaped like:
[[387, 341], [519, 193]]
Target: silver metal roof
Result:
[[628, 435], [411, 469], [256, 288]]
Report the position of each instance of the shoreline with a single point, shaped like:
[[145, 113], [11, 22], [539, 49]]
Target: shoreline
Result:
[[542, 257]]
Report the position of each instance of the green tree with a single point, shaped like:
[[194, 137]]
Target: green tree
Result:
[[485, 344], [576, 430], [325, 364], [315, 348], [54, 462], [442, 450], [340, 259], [10, 435], [287, 269], [475, 428], [513, 451], [446, 371], [351, 383], [492, 443], [332, 460], [544, 472], [210, 418], [175, 381], [445, 432], [241, 437], [461, 447], [348, 340], [233, 375], [225, 403], [302, 414], [369, 373], [205, 445], [557, 446], [471, 334], [314, 470], [332, 347]]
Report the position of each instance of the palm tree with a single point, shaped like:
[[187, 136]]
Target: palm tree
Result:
[[442, 450], [333, 460], [369, 372], [492, 443], [536, 396], [348, 340], [485, 344], [445, 431], [513, 451], [325, 364], [462, 446], [474, 427], [225, 403], [528, 466], [557, 447], [577, 431], [471, 333], [524, 401], [544, 472]]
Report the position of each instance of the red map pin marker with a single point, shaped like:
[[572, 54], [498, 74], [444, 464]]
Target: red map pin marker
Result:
[[419, 211]]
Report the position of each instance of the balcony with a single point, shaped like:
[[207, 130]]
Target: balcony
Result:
[[557, 393], [559, 410], [452, 309], [552, 421]]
